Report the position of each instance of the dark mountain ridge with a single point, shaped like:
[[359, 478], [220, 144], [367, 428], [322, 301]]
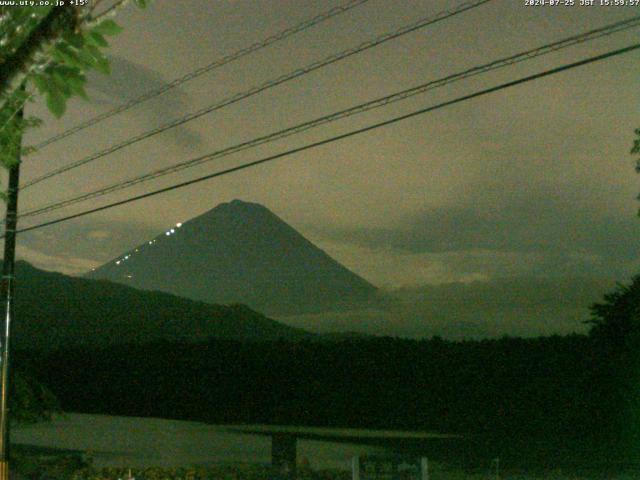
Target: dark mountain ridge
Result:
[[240, 252], [55, 310]]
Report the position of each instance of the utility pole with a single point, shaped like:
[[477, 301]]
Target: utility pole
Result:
[[8, 286]]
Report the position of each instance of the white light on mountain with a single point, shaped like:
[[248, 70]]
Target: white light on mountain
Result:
[[150, 243], [178, 224], [173, 231], [118, 262], [167, 233]]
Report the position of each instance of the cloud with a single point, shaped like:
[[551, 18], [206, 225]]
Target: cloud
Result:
[[129, 80], [59, 263], [77, 247], [99, 234], [508, 229], [521, 306]]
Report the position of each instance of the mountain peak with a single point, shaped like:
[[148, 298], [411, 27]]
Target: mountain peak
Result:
[[240, 252], [240, 204]]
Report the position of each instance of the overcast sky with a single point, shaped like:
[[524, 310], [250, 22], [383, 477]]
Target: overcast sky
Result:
[[529, 181]]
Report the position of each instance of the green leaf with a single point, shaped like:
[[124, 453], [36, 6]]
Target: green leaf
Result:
[[101, 63], [77, 86], [32, 122], [11, 161], [107, 27], [88, 60], [20, 95], [74, 39], [103, 66], [141, 3], [65, 54], [95, 52], [26, 151], [66, 70], [59, 77], [56, 102], [96, 39], [61, 84]]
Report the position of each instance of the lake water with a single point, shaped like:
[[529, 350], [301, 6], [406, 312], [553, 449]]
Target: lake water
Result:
[[141, 442]]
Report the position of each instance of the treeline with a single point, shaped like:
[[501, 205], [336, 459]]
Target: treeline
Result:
[[550, 400], [563, 396]]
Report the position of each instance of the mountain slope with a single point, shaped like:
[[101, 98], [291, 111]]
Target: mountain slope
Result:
[[240, 252], [55, 310]]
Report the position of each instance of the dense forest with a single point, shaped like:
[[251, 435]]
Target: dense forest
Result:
[[571, 399]]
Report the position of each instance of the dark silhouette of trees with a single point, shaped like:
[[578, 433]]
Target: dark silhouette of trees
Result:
[[617, 318], [551, 400], [510, 394], [616, 374]]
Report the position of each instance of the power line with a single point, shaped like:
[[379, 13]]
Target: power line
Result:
[[343, 136], [265, 86], [364, 107], [205, 69]]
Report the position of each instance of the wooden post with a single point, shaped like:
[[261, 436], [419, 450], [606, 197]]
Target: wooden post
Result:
[[355, 465], [424, 468]]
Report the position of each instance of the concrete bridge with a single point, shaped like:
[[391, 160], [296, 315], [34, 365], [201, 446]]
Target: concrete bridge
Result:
[[284, 440]]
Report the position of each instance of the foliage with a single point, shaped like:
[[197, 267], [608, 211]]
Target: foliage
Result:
[[533, 395], [47, 51], [40, 463], [72, 467], [213, 472], [573, 399], [616, 332], [12, 125], [44, 464], [554, 398], [30, 401], [44, 50], [617, 318]]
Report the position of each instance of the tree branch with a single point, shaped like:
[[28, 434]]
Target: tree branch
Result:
[[57, 21], [112, 10]]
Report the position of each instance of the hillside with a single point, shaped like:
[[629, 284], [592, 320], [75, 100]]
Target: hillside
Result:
[[240, 252], [55, 310]]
